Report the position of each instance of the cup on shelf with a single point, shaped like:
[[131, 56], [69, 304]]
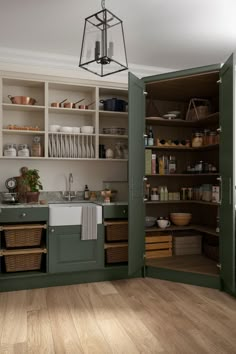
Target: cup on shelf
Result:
[[163, 223]]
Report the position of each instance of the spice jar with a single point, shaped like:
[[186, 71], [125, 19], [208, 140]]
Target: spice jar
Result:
[[212, 137], [154, 194], [197, 139], [9, 150], [23, 150], [36, 148]]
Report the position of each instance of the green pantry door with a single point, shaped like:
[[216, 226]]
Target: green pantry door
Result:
[[227, 167]]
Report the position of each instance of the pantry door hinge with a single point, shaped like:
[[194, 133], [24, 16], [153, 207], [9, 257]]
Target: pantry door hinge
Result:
[[145, 93], [219, 81], [219, 266], [219, 130]]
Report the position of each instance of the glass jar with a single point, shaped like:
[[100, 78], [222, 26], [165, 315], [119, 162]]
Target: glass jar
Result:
[[206, 137], [212, 138], [154, 194], [23, 150], [36, 148], [9, 150], [197, 139], [190, 193], [183, 194]]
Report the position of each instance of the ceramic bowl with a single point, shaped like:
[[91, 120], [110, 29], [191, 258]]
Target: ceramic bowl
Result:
[[54, 128], [66, 129], [180, 219], [76, 129], [87, 129], [150, 221]]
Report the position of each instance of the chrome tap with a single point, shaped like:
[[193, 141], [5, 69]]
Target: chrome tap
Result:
[[69, 194]]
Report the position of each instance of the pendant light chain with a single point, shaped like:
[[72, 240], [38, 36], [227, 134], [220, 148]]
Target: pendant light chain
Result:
[[103, 4]]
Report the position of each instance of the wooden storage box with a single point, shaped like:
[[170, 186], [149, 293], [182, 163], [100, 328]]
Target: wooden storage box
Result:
[[117, 231], [22, 235], [188, 244], [158, 245], [118, 254]]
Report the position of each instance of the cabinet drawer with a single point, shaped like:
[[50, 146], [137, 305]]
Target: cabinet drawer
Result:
[[13, 215], [115, 211]]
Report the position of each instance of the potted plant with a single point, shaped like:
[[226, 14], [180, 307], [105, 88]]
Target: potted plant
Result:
[[31, 180]]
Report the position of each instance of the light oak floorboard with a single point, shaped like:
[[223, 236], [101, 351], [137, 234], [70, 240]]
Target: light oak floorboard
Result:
[[125, 316]]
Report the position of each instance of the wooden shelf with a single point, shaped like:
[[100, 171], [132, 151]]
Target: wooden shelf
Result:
[[211, 119], [114, 136], [115, 245], [5, 252], [206, 229], [184, 148], [113, 114], [181, 202], [184, 175], [187, 263]]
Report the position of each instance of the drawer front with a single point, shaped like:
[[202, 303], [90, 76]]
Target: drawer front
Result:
[[115, 212], [23, 214]]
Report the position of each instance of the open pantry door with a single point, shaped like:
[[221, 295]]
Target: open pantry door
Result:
[[136, 174], [227, 172]]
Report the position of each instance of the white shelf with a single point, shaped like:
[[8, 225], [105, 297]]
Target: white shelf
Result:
[[23, 132], [71, 110], [21, 107], [62, 133], [113, 114]]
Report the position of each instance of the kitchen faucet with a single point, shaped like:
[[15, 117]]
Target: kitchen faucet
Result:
[[69, 195]]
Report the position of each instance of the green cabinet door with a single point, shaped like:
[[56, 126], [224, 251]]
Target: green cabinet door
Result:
[[136, 173], [227, 172], [67, 253]]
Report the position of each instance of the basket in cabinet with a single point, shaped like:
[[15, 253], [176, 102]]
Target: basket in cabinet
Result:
[[23, 235]]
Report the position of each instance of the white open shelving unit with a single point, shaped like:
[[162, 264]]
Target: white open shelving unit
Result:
[[41, 115]]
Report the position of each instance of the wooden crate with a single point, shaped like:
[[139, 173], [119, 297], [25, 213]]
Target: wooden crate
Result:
[[157, 246], [116, 253], [117, 231]]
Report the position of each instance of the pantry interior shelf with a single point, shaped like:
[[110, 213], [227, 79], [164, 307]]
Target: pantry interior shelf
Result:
[[184, 175], [206, 229], [206, 147], [210, 119], [182, 202], [21, 107], [115, 244]]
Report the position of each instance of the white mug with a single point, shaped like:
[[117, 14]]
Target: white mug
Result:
[[162, 223]]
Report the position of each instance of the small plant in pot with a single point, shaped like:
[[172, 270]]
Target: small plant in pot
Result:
[[31, 180]]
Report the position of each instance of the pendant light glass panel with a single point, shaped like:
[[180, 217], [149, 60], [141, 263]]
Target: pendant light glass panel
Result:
[[103, 49]]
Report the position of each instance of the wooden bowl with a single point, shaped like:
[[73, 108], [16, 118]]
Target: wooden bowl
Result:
[[180, 219]]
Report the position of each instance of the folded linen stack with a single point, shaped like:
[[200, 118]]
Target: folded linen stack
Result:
[[89, 222]]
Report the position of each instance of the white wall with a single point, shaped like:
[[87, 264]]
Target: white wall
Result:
[[54, 174]]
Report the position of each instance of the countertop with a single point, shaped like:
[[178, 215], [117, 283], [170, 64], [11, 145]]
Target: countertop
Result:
[[38, 205]]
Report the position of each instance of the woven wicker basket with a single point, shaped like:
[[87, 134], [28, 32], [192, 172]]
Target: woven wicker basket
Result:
[[21, 262], [117, 232], [16, 236], [117, 254]]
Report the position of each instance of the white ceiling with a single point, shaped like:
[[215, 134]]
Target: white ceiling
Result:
[[161, 33]]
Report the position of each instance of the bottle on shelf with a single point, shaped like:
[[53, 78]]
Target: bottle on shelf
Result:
[[171, 164], [153, 164], [162, 193], [165, 193], [147, 193], [86, 193], [150, 137]]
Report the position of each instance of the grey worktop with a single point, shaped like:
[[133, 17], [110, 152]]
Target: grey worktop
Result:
[[22, 205]]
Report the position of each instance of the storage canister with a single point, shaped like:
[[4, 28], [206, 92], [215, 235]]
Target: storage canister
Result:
[[197, 139], [23, 150], [36, 149], [9, 150]]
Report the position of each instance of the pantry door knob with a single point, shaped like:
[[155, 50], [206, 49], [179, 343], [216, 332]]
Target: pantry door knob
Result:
[[52, 230], [23, 215]]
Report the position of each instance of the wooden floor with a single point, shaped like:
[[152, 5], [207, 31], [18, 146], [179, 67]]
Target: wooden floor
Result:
[[190, 263], [125, 316]]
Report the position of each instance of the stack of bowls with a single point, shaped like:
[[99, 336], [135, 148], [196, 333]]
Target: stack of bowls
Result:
[[180, 219]]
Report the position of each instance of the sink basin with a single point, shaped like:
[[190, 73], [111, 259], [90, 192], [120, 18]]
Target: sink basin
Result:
[[70, 213]]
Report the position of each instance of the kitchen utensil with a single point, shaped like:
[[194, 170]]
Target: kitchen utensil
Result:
[[169, 116], [49, 146], [75, 148], [58, 104], [62, 147], [10, 198], [22, 100], [163, 223], [58, 146], [66, 129], [181, 219], [87, 129], [114, 104], [86, 106], [72, 104]]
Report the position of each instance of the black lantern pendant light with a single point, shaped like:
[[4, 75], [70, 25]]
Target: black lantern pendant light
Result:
[[103, 49]]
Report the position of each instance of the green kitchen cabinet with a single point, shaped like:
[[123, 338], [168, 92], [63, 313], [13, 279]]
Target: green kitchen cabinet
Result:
[[68, 253], [213, 82]]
